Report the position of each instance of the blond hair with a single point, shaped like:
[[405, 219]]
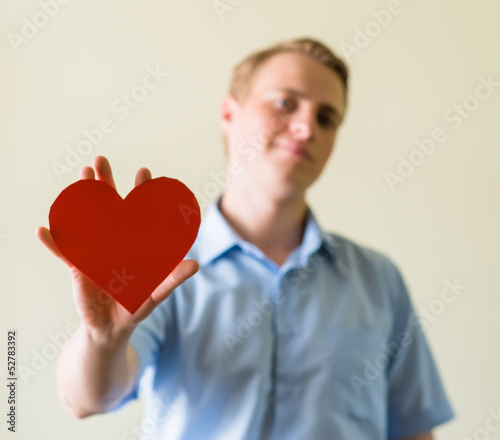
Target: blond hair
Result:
[[241, 80]]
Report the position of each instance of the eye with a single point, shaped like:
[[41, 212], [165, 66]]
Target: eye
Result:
[[326, 121], [284, 105]]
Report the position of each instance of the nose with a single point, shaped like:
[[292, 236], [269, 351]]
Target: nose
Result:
[[302, 126]]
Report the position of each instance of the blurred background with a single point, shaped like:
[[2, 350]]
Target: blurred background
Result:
[[415, 171]]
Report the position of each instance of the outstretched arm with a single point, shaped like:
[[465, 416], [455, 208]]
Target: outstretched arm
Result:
[[97, 367]]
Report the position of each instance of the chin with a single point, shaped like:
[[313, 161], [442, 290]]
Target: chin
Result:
[[283, 180], [287, 188]]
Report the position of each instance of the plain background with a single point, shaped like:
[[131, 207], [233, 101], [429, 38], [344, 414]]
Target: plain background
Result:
[[440, 224]]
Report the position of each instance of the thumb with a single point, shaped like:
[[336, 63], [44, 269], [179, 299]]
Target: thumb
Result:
[[184, 270]]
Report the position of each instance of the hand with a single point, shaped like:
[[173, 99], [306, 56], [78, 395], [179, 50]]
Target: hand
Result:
[[104, 317]]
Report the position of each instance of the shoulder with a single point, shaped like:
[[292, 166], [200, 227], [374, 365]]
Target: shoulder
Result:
[[373, 270], [354, 256]]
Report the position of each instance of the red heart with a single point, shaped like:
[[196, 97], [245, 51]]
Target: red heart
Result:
[[125, 246]]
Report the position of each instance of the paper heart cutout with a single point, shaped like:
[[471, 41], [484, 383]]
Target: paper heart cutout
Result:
[[125, 246]]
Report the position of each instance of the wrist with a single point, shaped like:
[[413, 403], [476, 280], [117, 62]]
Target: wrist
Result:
[[108, 338]]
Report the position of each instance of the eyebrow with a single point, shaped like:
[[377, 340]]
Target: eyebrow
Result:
[[323, 105]]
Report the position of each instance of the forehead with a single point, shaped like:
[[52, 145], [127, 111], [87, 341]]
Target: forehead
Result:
[[288, 70]]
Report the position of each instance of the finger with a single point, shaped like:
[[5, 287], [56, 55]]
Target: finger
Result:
[[103, 170], [87, 173], [45, 237], [142, 175], [181, 273]]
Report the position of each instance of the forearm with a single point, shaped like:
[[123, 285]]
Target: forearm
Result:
[[94, 374]]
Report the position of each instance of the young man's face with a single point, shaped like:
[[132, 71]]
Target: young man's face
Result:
[[284, 131]]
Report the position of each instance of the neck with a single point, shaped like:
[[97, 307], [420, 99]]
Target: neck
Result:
[[275, 226]]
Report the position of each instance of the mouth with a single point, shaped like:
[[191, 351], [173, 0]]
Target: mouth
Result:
[[295, 149]]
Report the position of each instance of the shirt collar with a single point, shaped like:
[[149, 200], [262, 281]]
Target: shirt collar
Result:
[[216, 238], [315, 239]]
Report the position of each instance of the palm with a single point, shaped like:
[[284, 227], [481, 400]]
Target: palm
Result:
[[99, 311]]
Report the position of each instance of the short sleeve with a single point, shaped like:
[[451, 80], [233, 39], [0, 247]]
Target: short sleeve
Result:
[[148, 340], [417, 401]]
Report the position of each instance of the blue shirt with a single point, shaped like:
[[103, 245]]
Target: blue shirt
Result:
[[327, 346]]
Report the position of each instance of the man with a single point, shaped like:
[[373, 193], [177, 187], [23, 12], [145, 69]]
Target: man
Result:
[[285, 332]]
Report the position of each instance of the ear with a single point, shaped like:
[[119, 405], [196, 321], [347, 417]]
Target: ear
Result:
[[228, 110]]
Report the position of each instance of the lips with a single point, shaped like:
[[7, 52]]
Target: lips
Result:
[[295, 148]]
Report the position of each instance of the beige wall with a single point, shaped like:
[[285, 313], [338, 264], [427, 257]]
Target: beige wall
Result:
[[439, 224]]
